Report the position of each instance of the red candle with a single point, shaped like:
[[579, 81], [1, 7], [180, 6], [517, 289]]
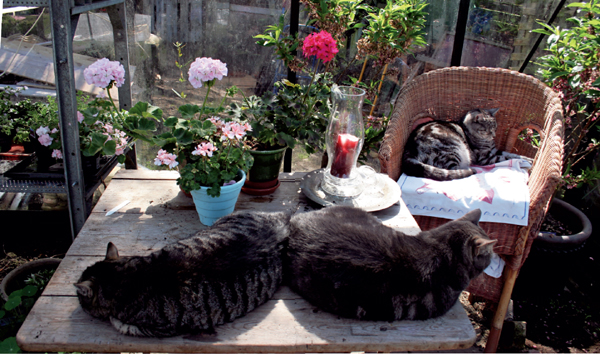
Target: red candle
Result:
[[343, 156]]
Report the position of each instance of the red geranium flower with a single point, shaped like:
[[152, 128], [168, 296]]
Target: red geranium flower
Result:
[[320, 44]]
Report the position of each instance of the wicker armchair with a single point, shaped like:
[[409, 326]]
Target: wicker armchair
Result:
[[524, 102]]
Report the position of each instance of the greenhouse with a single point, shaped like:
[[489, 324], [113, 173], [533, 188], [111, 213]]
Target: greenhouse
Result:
[[299, 176]]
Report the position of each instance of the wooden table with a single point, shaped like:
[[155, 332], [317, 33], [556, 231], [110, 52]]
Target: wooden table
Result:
[[158, 214]]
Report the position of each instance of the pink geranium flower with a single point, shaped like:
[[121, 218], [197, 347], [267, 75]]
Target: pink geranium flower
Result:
[[320, 44], [45, 140], [42, 131], [103, 72], [206, 69], [57, 154], [232, 130], [238, 131], [204, 149], [165, 158]]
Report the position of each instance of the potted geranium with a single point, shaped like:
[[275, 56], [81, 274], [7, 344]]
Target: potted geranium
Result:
[[104, 129], [387, 33], [282, 121], [211, 152]]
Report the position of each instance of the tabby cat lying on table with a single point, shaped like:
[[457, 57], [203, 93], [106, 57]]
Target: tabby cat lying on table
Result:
[[217, 275], [345, 261], [445, 151], [340, 259]]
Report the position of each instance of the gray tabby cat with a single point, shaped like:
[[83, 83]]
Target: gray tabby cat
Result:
[[445, 150], [344, 261], [217, 275]]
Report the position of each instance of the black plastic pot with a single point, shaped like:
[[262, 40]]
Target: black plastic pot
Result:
[[575, 219], [553, 258]]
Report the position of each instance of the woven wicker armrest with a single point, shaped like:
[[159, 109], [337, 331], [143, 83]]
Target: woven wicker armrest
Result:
[[546, 172]]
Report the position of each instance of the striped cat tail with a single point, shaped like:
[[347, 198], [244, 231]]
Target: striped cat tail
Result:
[[416, 168]]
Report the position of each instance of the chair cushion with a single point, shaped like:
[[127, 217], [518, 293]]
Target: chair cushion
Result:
[[499, 190]]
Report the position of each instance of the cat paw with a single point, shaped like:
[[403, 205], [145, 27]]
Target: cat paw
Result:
[[128, 329]]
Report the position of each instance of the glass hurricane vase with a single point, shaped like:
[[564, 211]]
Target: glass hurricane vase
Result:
[[344, 138]]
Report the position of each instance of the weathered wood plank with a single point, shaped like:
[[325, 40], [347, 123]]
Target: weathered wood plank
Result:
[[134, 234], [67, 274], [398, 217], [166, 174], [283, 324], [146, 174], [155, 196]]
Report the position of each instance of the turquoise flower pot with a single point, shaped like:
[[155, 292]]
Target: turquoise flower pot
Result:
[[210, 208]]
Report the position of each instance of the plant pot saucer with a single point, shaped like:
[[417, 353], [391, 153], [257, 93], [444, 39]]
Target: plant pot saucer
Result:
[[256, 190], [261, 185], [14, 156]]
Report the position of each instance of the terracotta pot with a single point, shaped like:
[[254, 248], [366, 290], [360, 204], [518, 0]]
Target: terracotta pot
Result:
[[16, 152]]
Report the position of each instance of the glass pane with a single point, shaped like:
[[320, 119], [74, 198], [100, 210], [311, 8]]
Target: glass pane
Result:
[[499, 33], [204, 28], [544, 14], [440, 29]]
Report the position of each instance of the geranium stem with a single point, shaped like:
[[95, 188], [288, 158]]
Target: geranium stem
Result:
[[113, 102], [209, 85], [311, 82]]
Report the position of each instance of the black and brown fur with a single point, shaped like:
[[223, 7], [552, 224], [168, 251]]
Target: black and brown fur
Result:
[[193, 285], [446, 150], [344, 261]]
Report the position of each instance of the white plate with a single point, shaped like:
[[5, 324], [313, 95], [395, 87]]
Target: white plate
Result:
[[381, 192]]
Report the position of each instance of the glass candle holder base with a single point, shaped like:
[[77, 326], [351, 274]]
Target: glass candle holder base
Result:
[[342, 187]]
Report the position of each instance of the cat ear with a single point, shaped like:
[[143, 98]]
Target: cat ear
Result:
[[480, 243], [493, 111], [112, 253], [472, 216], [85, 288]]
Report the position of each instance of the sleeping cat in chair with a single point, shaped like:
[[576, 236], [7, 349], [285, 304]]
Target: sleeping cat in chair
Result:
[[445, 151], [341, 259]]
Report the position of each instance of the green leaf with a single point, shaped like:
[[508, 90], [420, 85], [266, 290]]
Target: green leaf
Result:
[[30, 290], [12, 303], [9, 345], [557, 74], [146, 110], [146, 125], [109, 148], [577, 68], [578, 4], [171, 122], [183, 136], [188, 111]]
